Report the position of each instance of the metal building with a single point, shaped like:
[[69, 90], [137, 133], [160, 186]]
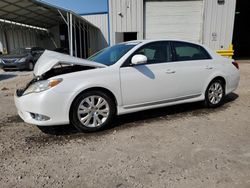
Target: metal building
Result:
[[210, 22], [29, 23], [100, 20]]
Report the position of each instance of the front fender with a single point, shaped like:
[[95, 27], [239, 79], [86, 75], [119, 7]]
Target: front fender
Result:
[[90, 86]]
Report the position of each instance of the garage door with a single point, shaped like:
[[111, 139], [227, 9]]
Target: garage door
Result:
[[174, 19]]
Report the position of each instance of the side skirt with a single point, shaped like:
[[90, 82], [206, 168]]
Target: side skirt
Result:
[[161, 102]]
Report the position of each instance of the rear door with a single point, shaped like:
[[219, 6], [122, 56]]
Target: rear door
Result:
[[192, 65]]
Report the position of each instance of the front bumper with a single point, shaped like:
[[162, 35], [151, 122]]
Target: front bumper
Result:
[[48, 103]]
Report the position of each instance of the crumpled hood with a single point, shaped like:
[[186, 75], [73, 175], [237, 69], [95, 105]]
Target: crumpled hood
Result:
[[50, 58]]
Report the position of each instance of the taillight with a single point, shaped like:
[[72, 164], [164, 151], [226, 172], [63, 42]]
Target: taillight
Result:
[[236, 64]]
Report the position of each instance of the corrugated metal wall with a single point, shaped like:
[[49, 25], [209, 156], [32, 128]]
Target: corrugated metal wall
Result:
[[13, 37], [126, 16], [218, 24], [95, 38], [100, 21], [54, 36], [3, 37], [19, 38]]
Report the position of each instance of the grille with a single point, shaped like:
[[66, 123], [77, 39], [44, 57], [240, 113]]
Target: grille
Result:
[[7, 61]]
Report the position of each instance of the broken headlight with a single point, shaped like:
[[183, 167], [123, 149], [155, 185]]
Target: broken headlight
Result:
[[42, 85]]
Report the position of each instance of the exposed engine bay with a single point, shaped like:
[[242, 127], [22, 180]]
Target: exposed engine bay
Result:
[[52, 64], [57, 70], [64, 69]]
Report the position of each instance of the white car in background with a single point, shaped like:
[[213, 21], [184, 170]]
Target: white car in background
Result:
[[128, 77]]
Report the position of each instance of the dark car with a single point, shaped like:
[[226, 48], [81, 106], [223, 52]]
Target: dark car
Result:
[[21, 58], [62, 50]]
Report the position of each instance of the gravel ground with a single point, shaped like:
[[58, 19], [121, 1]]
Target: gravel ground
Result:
[[181, 146]]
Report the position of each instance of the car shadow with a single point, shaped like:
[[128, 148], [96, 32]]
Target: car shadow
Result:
[[6, 76], [170, 112], [147, 116], [145, 71]]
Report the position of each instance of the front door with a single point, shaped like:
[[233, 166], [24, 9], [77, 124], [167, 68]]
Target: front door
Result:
[[150, 82]]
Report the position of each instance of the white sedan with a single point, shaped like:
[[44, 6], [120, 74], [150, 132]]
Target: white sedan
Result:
[[124, 78]]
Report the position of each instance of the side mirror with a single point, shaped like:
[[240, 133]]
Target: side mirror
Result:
[[139, 59]]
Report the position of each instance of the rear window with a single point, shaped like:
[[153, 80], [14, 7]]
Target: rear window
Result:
[[186, 52]]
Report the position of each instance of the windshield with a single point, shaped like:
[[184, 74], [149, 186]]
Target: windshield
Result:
[[19, 51], [111, 55]]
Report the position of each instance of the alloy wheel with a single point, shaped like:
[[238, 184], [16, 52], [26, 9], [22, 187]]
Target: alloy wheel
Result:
[[93, 111], [215, 93]]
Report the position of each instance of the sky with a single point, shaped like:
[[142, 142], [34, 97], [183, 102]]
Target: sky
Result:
[[81, 6]]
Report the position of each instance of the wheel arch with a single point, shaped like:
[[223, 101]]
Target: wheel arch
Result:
[[30, 60], [220, 78], [105, 90], [217, 77]]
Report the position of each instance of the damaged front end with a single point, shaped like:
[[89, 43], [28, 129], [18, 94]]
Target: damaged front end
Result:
[[55, 71], [20, 91], [52, 64]]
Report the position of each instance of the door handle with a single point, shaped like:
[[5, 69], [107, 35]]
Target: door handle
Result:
[[209, 68], [169, 71]]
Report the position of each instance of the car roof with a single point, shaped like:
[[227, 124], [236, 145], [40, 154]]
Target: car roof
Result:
[[158, 40], [145, 41]]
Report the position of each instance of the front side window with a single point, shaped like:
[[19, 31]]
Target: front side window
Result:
[[111, 55], [157, 52], [186, 52]]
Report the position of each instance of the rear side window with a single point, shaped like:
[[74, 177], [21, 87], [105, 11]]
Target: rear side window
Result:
[[186, 52]]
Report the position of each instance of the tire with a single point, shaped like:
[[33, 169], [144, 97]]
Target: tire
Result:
[[30, 66], [215, 94], [92, 111]]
